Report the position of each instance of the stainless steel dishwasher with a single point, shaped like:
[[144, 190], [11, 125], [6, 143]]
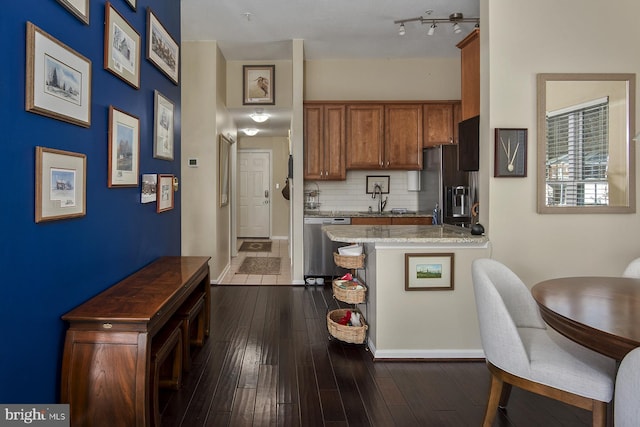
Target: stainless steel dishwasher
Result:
[[319, 249]]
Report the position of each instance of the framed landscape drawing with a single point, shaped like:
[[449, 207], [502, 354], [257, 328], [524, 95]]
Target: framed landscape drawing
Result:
[[165, 193], [162, 127], [428, 272], [61, 178], [80, 8], [58, 79], [124, 149], [162, 49], [121, 47], [258, 84]]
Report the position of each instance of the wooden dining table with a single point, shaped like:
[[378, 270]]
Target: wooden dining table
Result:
[[601, 313]]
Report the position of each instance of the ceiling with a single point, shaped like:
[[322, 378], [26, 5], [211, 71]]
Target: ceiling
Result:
[[259, 30]]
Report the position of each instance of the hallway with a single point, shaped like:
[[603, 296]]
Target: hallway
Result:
[[279, 248]]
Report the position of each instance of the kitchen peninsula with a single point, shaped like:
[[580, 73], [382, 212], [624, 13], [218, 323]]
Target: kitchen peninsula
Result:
[[417, 323]]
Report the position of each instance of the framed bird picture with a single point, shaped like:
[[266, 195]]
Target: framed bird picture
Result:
[[258, 85]]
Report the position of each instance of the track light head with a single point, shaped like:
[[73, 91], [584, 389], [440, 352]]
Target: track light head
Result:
[[401, 30], [456, 28], [432, 29]]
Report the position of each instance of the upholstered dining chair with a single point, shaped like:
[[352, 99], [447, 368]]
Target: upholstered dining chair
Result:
[[521, 351], [633, 269], [626, 410]]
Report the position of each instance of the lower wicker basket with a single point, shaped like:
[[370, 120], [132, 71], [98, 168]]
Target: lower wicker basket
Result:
[[349, 334], [350, 296]]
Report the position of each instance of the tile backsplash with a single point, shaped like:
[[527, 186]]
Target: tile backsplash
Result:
[[351, 195]]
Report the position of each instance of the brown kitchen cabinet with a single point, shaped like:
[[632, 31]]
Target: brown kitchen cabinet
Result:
[[470, 72], [371, 220], [411, 220], [384, 136], [441, 124], [365, 136], [324, 142]]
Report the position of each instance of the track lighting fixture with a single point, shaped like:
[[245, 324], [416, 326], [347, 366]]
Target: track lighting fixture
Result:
[[250, 131], [432, 29], [455, 19], [259, 116]]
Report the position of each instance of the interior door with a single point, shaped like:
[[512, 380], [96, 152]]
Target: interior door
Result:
[[254, 198]]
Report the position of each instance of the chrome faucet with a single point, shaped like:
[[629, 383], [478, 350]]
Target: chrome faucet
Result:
[[377, 191]]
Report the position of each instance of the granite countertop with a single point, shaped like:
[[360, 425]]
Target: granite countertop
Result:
[[311, 213], [402, 234]]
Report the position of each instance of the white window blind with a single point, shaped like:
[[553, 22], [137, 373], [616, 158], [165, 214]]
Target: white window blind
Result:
[[577, 155]]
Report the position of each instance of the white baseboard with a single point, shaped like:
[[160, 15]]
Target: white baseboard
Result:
[[221, 276], [426, 354]]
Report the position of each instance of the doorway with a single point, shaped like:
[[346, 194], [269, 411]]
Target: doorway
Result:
[[254, 193]]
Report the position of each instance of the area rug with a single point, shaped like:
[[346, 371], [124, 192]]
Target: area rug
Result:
[[260, 265], [255, 247]]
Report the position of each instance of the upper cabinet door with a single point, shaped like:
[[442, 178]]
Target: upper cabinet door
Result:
[[365, 136], [334, 142], [324, 141], [438, 124], [470, 71], [403, 136], [313, 141]]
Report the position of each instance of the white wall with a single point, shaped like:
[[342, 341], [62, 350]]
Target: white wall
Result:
[[205, 226], [598, 37]]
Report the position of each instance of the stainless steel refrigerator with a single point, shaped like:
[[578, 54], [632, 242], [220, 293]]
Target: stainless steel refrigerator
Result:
[[444, 186]]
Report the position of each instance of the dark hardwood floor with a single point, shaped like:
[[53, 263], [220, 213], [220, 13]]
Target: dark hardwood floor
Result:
[[269, 361]]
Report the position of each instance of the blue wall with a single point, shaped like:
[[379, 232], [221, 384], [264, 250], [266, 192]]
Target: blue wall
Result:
[[47, 269]]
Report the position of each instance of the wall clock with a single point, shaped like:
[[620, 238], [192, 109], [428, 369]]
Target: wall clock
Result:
[[510, 152]]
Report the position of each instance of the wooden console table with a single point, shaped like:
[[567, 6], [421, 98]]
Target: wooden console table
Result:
[[107, 351]]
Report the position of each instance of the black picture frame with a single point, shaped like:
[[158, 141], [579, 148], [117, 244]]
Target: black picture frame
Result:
[[510, 153]]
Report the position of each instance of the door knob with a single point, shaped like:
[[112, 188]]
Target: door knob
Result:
[[266, 193]]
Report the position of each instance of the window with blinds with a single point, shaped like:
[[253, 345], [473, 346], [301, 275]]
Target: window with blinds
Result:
[[577, 155]]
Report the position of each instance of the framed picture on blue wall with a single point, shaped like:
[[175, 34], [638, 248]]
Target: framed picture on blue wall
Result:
[[124, 149], [133, 4], [162, 49], [164, 197], [80, 8], [60, 184], [58, 80], [121, 47], [162, 127]]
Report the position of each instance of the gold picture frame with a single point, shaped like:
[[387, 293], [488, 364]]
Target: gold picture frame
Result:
[[124, 149], [58, 79], [164, 194], [61, 178], [121, 47]]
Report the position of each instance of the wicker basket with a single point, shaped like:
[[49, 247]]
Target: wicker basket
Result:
[[350, 296], [350, 334], [348, 261]]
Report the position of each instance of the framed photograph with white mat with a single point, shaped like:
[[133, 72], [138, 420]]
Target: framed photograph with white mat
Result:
[[124, 148], [162, 127], [165, 193], [58, 79], [428, 272], [121, 47], [61, 178]]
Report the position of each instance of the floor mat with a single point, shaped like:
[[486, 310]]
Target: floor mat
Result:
[[260, 265], [255, 247]]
